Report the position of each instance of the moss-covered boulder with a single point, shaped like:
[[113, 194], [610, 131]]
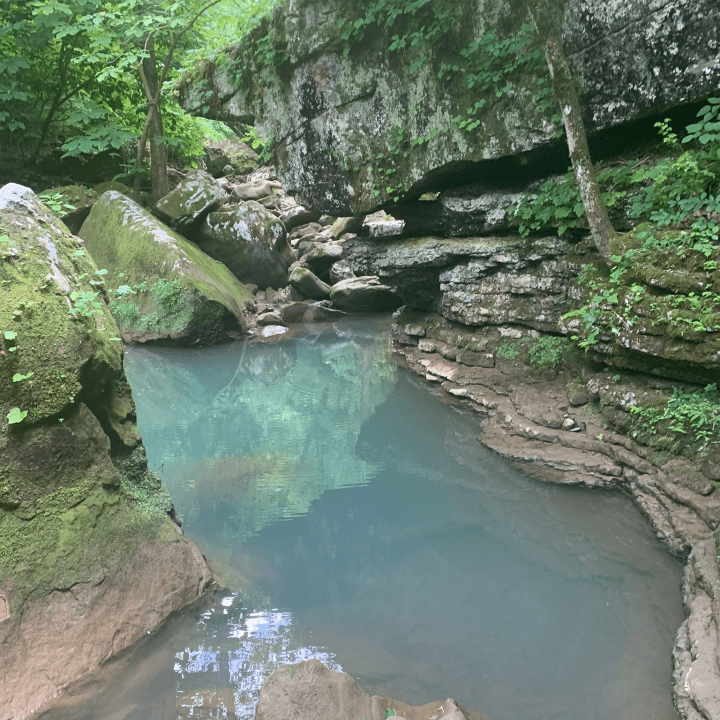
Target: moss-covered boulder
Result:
[[251, 241], [237, 155], [164, 287], [193, 198], [90, 560]]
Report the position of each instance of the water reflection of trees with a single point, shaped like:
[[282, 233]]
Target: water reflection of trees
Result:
[[249, 434], [225, 677]]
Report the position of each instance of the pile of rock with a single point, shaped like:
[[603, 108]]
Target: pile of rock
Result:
[[223, 256]]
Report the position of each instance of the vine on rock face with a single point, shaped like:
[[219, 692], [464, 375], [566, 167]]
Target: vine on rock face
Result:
[[485, 67]]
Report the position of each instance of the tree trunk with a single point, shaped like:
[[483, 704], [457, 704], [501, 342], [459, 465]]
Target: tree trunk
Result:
[[153, 129], [600, 226]]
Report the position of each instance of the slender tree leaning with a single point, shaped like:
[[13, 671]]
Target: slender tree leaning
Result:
[[547, 24]]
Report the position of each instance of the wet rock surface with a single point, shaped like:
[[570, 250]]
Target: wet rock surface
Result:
[[250, 241], [311, 690], [191, 200]]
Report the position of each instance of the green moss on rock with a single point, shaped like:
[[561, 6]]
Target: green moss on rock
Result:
[[172, 289]]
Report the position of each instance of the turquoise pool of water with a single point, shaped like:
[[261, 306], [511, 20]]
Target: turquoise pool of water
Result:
[[355, 517]]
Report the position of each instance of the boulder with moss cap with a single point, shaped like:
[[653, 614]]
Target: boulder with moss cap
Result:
[[90, 561], [164, 287], [190, 201], [251, 241]]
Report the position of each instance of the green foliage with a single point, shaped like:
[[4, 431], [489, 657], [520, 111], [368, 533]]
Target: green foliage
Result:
[[690, 416], [252, 139], [86, 303], [550, 351], [17, 377], [676, 197], [16, 415], [146, 307], [679, 190], [508, 350], [56, 202], [96, 128], [68, 68]]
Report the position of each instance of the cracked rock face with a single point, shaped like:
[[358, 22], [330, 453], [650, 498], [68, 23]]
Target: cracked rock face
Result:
[[354, 129], [90, 561]]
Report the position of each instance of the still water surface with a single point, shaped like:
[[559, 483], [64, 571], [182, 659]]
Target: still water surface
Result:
[[356, 518]]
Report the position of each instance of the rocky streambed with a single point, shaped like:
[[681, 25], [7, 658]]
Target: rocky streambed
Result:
[[481, 319]]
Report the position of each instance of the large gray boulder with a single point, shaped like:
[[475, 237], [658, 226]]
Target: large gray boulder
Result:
[[364, 294], [251, 241], [190, 200], [361, 121], [233, 153], [163, 286], [90, 561]]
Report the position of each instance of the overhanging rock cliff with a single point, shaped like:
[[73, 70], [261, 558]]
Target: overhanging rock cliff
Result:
[[367, 103]]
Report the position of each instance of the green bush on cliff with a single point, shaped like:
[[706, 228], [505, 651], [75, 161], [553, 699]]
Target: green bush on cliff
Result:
[[678, 190], [689, 416], [664, 272]]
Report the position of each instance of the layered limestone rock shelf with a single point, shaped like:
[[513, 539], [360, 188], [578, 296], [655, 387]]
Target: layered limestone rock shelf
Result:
[[90, 559], [362, 110]]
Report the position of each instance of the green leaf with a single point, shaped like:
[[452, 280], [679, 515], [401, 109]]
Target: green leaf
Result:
[[16, 415], [17, 377], [10, 335]]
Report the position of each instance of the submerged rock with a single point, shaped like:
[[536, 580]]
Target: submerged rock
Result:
[[311, 690], [90, 561], [164, 286]]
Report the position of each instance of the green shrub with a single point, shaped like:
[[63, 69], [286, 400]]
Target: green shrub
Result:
[[692, 416], [550, 351]]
